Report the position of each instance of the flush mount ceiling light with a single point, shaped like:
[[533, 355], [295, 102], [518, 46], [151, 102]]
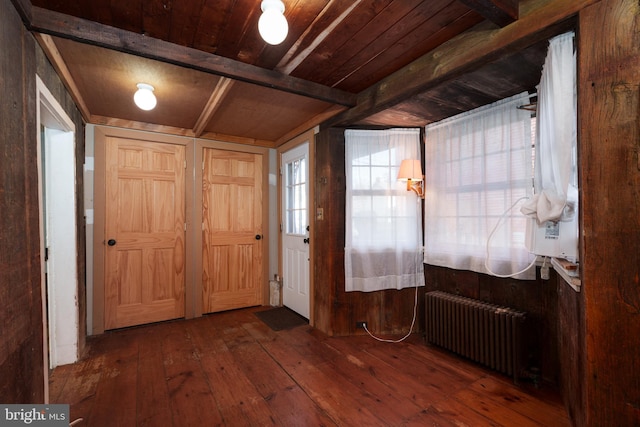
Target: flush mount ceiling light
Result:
[[273, 26], [144, 97]]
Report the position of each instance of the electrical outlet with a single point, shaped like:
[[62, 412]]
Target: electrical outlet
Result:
[[361, 325]]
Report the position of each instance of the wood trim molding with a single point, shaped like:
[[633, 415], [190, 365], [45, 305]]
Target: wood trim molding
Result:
[[51, 50]]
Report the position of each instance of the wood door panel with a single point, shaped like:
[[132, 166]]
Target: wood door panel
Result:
[[232, 218], [145, 215]]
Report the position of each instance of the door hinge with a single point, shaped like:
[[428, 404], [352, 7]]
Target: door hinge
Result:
[[46, 254]]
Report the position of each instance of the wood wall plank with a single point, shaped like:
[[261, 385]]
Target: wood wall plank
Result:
[[21, 345], [337, 311], [609, 112]]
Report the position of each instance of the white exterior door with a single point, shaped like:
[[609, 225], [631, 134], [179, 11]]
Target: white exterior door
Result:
[[295, 229]]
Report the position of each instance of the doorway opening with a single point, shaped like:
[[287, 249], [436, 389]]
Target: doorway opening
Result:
[[58, 229], [295, 232]]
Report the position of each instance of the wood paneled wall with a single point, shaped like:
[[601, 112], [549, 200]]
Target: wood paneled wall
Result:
[[21, 337], [538, 298], [21, 356], [337, 311], [589, 342], [609, 134]]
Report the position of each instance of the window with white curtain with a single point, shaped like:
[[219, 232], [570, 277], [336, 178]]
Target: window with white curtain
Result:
[[383, 248], [556, 177], [478, 169]]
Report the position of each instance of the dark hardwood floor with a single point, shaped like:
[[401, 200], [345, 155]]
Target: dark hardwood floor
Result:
[[231, 369]]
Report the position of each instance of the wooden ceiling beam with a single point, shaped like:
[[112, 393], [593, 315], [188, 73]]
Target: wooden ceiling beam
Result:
[[539, 21], [23, 7], [215, 101], [85, 31], [500, 12]]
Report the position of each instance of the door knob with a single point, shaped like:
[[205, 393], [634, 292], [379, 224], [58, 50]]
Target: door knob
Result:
[[111, 242], [258, 236]]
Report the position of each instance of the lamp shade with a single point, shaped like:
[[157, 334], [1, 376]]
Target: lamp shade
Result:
[[272, 25], [410, 169], [144, 97]]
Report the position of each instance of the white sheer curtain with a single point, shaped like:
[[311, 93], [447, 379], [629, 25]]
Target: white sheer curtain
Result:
[[383, 246], [556, 190], [478, 166]]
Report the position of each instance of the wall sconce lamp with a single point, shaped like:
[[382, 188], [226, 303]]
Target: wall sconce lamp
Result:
[[411, 172], [273, 26], [144, 97]]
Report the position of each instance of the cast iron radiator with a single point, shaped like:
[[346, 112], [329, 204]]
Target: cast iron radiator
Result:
[[485, 333]]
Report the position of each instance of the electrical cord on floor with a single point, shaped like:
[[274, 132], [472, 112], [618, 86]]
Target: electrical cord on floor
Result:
[[413, 322]]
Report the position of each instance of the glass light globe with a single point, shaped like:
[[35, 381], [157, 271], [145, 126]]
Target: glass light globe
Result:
[[273, 26], [144, 97]]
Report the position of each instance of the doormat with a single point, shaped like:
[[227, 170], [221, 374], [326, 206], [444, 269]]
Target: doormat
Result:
[[281, 318]]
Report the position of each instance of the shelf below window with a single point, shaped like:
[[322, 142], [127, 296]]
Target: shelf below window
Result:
[[568, 271]]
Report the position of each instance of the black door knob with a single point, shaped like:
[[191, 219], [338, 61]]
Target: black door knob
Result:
[[111, 242], [258, 236]]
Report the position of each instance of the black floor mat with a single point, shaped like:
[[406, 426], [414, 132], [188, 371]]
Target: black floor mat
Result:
[[281, 318]]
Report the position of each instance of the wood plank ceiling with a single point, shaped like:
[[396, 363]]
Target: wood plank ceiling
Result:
[[215, 77]]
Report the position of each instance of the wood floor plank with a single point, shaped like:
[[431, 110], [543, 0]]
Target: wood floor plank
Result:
[[438, 384], [330, 392], [190, 392], [152, 400], [57, 379], [231, 369], [482, 403], [462, 415], [289, 403], [80, 388], [399, 383], [115, 398], [238, 399], [510, 397], [393, 407]]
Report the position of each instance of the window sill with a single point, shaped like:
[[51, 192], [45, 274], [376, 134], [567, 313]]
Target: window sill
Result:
[[568, 271]]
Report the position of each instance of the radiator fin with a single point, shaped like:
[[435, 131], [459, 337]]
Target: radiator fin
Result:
[[485, 333]]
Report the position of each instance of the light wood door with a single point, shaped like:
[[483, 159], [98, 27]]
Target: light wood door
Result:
[[231, 230], [144, 232]]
